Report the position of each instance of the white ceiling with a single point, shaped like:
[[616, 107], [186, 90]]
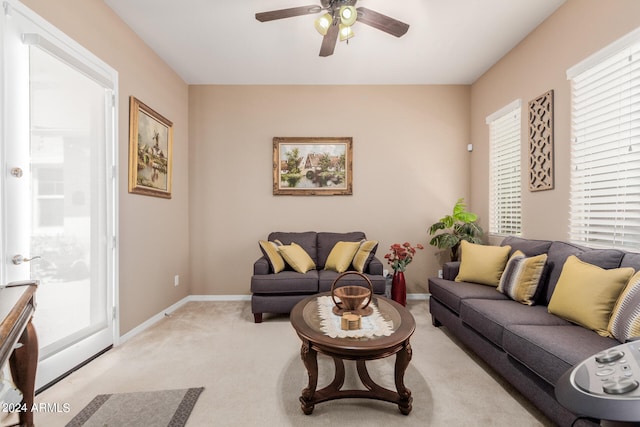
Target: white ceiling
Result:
[[221, 42]]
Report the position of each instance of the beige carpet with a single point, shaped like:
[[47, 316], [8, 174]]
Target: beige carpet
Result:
[[252, 376]]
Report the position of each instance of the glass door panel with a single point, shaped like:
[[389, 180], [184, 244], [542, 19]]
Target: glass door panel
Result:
[[68, 190]]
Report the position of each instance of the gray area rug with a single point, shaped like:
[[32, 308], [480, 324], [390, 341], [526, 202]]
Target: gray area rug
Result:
[[166, 408]]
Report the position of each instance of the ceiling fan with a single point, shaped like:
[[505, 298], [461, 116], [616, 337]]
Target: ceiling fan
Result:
[[337, 20]]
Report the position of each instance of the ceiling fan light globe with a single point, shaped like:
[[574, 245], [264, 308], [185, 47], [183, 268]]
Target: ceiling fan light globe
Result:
[[348, 15], [346, 32], [323, 23]]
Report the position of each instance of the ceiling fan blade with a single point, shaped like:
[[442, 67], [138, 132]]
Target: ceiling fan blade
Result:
[[329, 40], [382, 22], [287, 13]]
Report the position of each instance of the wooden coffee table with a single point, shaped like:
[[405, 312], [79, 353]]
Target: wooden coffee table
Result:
[[305, 319]]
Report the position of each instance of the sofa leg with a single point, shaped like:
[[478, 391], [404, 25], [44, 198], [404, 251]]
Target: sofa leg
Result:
[[435, 322], [257, 317]]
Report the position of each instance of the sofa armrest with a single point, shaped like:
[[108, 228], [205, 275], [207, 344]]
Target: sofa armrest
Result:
[[375, 267], [261, 267], [450, 270]]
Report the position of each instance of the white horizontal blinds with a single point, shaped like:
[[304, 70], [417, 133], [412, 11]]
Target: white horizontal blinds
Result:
[[605, 155], [505, 213]]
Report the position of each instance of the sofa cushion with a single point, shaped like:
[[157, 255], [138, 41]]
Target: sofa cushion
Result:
[[306, 239], [560, 251], [297, 257], [550, 351], [490, 317], [521, 277], [451, 293], [285, 282], [481, 263], [586, 294], [271, 253], [364, 255], [625, 317], [327, 277], [631, 259], [341, 256], [326, 242], [529, 247]]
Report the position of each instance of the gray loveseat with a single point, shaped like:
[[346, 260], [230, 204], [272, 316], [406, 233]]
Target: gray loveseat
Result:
[[526, 345], [279, 292]]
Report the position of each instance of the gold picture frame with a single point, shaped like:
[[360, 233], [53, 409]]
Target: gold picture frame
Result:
[[313, 166], [150, 151]]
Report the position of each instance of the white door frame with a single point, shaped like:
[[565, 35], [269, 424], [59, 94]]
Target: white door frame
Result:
[[16, 15]]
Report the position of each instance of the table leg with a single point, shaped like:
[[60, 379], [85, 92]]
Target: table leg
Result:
[[310, 359], [402, 361], [23, 362], [338, 379]]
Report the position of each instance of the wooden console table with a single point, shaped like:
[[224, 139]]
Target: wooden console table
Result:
[[17, 305]]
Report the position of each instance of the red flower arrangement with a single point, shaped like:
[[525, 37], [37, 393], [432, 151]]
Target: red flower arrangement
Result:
[[401, 255]]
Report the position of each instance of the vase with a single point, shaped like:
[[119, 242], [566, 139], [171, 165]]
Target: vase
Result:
[[399, 288]]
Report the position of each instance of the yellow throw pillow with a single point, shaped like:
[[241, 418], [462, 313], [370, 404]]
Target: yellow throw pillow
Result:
[[270, 250], [341, 255], [521, 277], [586, 294], [482, 264], [367, 247], [297, 257]]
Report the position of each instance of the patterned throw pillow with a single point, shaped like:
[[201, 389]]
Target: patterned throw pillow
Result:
[[521, 277], [270, 252], [625, 318], [341, 255]]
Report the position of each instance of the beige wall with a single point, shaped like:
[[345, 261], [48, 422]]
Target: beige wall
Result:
[[410, 158], [154, 232], [410, 166], [577, 30]]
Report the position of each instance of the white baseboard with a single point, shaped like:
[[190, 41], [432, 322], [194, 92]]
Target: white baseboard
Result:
[[150, 322], [418, 296], [156, 318], [214, 298], [219, 298]]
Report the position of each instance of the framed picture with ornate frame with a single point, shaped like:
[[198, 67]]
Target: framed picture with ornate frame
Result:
[[150, 151], [313, 166]]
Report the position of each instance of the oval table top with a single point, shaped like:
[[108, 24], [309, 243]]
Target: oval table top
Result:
[[305, 319]]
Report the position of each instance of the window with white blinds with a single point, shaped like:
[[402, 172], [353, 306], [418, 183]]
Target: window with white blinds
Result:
[[505, 211], [605, 151]]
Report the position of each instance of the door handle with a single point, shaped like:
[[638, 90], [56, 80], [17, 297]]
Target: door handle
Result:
[[19, 259]]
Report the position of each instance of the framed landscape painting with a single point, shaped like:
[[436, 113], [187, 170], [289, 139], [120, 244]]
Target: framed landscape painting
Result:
[[312, 166], [150, 151]]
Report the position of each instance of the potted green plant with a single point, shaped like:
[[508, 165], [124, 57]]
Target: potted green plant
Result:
[[460, 225]]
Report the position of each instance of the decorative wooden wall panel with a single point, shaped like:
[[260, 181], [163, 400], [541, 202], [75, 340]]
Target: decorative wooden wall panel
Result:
[[541, 142]]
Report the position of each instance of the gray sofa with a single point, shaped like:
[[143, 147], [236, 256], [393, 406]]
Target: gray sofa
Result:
[[279, 292], [526, 345]]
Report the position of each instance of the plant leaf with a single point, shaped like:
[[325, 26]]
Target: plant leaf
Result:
[[437, 226], [467, 217], [459, 207], [448, 221], [444, 240]]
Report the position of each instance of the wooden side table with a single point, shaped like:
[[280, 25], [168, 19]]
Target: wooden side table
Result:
[[17, 305], [306, 321]]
